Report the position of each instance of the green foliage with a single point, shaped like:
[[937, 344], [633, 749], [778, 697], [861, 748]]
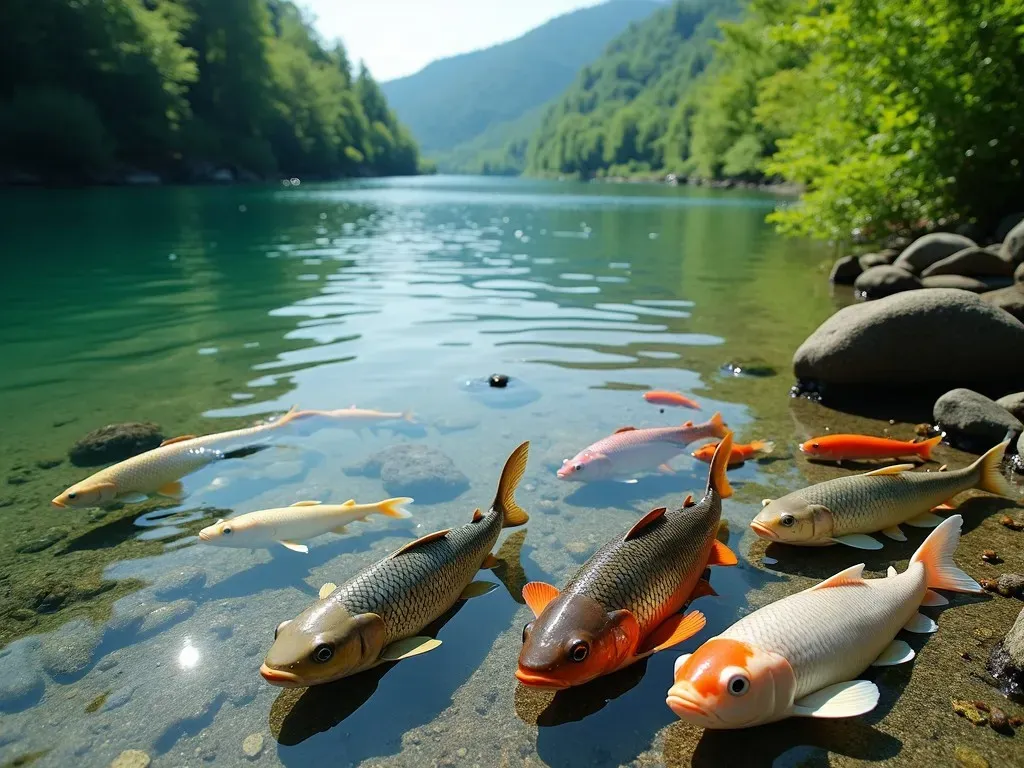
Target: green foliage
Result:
[[628, 108], [182, 85]]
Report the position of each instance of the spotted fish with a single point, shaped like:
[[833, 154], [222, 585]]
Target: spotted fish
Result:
[[375, 616], [623, 604]]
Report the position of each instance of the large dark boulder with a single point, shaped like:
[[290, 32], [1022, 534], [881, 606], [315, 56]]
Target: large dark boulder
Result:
[[965, 283], [878, 258], [919, 337], [967, 416], [878, 282], [927, 250], [1009, 299], [973, 262], [845, 271], [115, 442]]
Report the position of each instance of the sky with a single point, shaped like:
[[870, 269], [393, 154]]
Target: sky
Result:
[[399, 37]]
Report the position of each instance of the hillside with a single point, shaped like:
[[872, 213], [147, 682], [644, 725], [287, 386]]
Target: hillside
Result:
[[454, 100], [627, 111]]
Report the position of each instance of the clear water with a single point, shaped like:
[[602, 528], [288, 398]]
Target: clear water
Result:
[[204, 309]]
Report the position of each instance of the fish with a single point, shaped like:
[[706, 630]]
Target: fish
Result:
[[158, 472], [857, 447], [675, 399], [624, 603], [350, 418], [631, 451], [302, 520], [740, 452], [799, 656], [846, 509], [375, 617]]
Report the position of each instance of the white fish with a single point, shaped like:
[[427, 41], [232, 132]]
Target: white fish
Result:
[[301, 521], [799, 656]]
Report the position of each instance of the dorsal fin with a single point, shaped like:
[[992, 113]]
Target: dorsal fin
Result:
[[179, 439], [349, 503], [421, 541], [852, 575], [688, 501], [309, 503], [893, 470], [478, 515], [688, 423], [624, 429], [890, 572], [537, 595], [643, 522]]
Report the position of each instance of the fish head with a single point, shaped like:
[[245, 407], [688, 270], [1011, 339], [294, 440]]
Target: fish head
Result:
[[86, 494], [792, 519], [585, 465], [573, 641], [816, 449], [730, 684], [322, 644], [705, 452], [225, 533]]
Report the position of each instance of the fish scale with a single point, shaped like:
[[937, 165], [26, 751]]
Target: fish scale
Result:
[[653, 574], [408, 590]]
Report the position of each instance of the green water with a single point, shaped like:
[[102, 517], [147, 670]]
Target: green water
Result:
[[205, 309]]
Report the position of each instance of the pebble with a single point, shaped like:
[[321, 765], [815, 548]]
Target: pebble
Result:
[[547, 507], [118, 699], [70, 649], [49, 463], [998, 721], [23, 614], [462, 752], [966, 709], [968, 758], [18, 478], [166, 615], [1010, 585], [46, 541], [253, 745], [990, 556], [131, 758], [1009, 522], [578, 549]]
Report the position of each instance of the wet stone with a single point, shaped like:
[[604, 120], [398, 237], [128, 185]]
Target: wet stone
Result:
[[49, 463], [118, 699], [166, 615], [45, 541], [115, 442], [1011, 585], [23, 614], [968, 711], [419, 471], [968, 758], [131, 758], [182, 582], [70, 649], [548, 507], [21, 679], [253, 745]]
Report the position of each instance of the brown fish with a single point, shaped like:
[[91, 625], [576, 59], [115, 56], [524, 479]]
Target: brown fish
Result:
[[623, 604], [375, 616]]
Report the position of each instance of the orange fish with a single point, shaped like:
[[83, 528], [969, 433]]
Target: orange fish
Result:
[[853, 447], [663, 397], [740, 452]]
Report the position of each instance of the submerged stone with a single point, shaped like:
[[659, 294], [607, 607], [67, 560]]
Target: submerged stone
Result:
[[115, 442], [70, 649], [419, 471], [21, 678]]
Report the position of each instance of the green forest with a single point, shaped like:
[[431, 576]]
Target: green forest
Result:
[[95, 90]]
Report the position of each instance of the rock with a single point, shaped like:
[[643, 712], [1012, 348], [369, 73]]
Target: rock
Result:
[[928, 250], [118, 698], [938, 335], [964, 414], [970, 712], [50, 463], [845, 271], [21, 679], [1018, 273], [70, 649], [166, 615], [131, 758], [1013, 244], [968, 758], [253, 745], [1014, 404], [115, 442], [547, 506], [45, 541], [1006, 225], [456, 424], [515, 393], [877, 259], [1006, 663], [1010, 585], [419, 471], [878, 282], [180, 583], [1009, 299], [974, 262], [964, 283]]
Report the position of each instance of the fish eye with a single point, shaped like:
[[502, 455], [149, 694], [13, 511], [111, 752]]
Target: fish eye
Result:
[[322, 653], [787, 520], [579, 651], [738, 685], [577, 467], [72, 495], [815, 445], [279, 627], [226, 530]]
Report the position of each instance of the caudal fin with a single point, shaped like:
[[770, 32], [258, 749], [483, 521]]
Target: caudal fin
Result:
[[717, 480], [395, 507], [936, 555], [505, 499], [762, 447], [718, 426], [991, 473], [924, 448], [408, 416]]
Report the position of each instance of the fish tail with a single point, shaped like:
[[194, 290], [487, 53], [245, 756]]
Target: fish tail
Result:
[[718, 426], [407, 416], [395, 507], [505, 499], [717, 480], [990, 471], [762, 447], [936, 555], [924, 448]]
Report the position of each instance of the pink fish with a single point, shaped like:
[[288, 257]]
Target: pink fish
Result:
[[631, 451]]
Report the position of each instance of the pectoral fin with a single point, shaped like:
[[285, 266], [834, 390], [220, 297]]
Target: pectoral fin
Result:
[[133, 498], [893, 470], [672, 631], [894, 533], [179, 439], [326, 589], [932, 598], [897, 652], [489, 562], [294, 547], [850, 699], [920, 624], [477, 588], [349, 503], [537, 595], [409, 647], [858, 541], [927, 520], [172, 490], [721, 554]]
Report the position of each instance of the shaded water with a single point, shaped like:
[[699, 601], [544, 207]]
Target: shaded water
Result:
[[205, 309]]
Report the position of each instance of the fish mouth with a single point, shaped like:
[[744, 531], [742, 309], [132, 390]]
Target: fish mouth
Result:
[[539, 681], [685, 709], [204, 536], [763, 531], [280, 678], [58, 504]]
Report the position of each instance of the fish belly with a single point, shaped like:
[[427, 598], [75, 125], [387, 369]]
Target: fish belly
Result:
[[636, 459]]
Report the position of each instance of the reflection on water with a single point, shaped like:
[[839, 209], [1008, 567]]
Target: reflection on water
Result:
[[206, 309]]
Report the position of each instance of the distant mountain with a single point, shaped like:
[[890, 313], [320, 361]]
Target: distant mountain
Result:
[[627, 112], [455, 100]]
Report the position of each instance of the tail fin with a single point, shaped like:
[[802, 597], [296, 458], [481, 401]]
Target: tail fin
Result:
[[763, 447], [991, 474], [395, 507], [505, 499], [407, 416], [717, 480], [925, 447], [936, 555], [718, 427]]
